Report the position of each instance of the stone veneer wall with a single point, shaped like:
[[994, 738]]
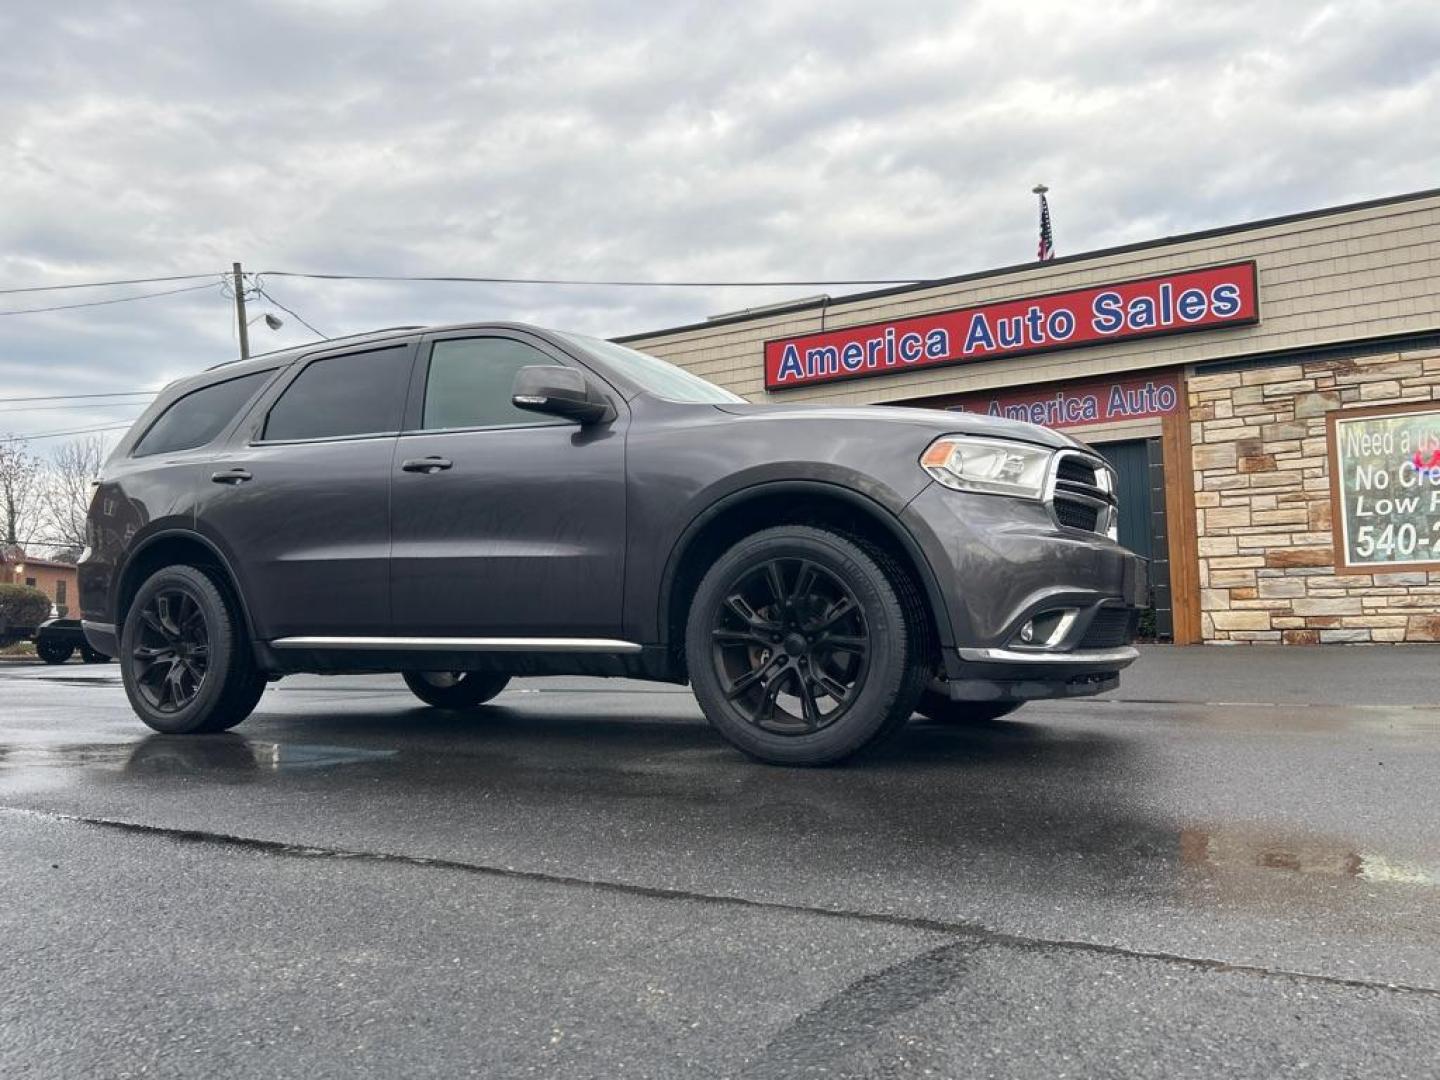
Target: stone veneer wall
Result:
[[1262, 497]]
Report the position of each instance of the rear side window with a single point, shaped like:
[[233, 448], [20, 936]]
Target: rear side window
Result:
[[199, 416], [470, 380], [356, 394]]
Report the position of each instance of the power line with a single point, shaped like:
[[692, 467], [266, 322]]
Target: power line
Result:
[[71, 397], [88, 405], [461, 279], [114, 300], [474, 279], [61, 434], [288, 311], [103, 284], [47, 543]]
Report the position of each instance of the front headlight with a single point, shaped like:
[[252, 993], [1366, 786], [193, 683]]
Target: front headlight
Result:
[[994, 466]]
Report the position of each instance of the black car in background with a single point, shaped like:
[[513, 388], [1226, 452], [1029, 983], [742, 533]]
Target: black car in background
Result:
[[470, 503]]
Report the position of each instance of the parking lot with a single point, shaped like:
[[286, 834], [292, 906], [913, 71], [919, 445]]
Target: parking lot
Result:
[[1229, 867]]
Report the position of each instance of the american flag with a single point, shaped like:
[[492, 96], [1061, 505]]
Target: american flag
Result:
[[1047, 239]]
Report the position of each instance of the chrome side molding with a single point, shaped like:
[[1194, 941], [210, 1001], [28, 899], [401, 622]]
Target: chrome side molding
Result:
[[461, 644], [1120, 657]]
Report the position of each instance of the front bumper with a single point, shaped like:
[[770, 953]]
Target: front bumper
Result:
[[1003, 562]]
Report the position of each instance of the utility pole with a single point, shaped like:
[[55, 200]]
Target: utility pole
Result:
[[240, 312]]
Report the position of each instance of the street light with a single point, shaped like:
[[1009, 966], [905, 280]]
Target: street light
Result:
[[274, 322]]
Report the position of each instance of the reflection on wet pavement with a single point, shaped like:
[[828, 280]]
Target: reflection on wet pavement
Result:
[[1237, 849], [1104, 820], [179, 754]]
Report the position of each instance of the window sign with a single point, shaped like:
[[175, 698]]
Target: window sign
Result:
[[1385, 488]]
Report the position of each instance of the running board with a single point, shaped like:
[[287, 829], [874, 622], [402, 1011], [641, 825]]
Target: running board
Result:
[[461, 644]]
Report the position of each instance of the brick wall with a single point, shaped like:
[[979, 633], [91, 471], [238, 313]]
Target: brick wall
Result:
[[1262, 496]]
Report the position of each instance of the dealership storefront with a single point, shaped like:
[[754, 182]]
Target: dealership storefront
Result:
[[1269, 394]]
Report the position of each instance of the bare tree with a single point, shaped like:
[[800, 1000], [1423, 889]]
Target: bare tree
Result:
[[67, 490], [20, 493]]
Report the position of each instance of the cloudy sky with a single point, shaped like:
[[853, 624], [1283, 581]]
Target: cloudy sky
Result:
[[649, 140]]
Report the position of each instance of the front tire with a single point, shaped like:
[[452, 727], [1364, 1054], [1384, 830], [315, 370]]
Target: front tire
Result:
[[185, 660], [936, 705], [455, 689], [804, 646]]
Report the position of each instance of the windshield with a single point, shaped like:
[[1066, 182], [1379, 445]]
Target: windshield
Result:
[[654, 375]]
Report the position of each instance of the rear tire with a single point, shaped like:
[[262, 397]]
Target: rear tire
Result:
[[455, 689], [936, 705], [805, 646], [90, 656], [185, 659], [54, 652]]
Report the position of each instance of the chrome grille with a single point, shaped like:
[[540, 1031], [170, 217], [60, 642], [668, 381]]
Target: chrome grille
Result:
[[1082, 493]]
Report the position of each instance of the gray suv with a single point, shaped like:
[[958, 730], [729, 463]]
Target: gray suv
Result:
[[466, 504]]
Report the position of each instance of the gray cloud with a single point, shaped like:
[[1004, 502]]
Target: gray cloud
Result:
[[654, 140]]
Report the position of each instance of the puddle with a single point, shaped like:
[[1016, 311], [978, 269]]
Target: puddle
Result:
[[235, 753], [1239, 849], [176, 754]]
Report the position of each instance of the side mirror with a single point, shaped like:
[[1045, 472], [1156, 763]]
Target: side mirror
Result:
[[559, 391]]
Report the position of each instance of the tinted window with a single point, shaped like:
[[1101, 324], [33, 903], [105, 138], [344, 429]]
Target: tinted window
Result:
[[470, 381], [199, 416], [359, 394]]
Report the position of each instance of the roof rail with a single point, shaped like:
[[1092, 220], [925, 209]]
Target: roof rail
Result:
[[323, 341]]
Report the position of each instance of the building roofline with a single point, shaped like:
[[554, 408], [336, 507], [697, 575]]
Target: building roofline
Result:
[[35, 560], [1017, 268]]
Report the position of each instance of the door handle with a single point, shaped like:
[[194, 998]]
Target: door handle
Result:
[[231, 476], [426, 465]]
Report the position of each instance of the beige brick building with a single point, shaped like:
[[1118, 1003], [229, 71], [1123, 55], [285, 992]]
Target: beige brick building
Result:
[[1264, 509], [1212, 369]]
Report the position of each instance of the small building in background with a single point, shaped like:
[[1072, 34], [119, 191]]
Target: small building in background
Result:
[[56, 580]]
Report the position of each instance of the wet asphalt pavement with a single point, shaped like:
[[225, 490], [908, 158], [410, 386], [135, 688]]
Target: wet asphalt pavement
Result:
[[1229, 868]]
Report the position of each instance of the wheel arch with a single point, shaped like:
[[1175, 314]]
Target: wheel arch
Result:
[[789, 502], [169, 548]]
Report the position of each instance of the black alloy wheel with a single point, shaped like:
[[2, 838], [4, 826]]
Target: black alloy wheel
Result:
[[791, 643], [186, 662], [54, 652], [804, 645], [170, 656], [455, 689]]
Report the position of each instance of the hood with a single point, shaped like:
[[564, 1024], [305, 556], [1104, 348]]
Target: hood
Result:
[[940, 421]]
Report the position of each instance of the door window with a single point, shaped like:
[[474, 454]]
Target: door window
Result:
[[199, 416], [470, 380], [355, 394]]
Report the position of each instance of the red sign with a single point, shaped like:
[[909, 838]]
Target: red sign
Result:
[[1168, 304], [1071, 405]]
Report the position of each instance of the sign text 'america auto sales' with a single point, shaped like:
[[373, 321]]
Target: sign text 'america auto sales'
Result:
[[1169, 304]]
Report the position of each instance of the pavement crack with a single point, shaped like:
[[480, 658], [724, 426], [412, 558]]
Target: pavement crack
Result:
[[973, 933]]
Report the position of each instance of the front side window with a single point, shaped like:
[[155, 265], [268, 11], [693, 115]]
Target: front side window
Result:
[[199, 416], [470, 381], [355, 394]]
